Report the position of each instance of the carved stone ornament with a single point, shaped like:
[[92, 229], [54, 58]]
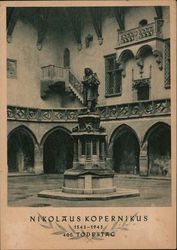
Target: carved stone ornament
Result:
[[11, 68], [141, 82], [159, 58], [100, 40], [121, 65], [88, 40], [140, 63], [79, 46], [39, 46], [9, 38]]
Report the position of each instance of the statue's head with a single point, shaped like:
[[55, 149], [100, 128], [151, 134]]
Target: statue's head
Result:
[[88, 71]]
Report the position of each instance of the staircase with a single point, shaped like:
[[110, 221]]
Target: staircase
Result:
[[76, 87], [56, 78]]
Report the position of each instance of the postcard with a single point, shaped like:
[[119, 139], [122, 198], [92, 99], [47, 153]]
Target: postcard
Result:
[[88, 125]]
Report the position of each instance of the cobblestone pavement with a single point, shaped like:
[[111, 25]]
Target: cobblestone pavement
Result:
[[23, 190]]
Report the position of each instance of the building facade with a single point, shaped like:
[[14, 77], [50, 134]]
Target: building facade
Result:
[[47, 52]]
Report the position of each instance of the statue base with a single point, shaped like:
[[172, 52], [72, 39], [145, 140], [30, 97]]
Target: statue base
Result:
[[60, 195], [88, 181]]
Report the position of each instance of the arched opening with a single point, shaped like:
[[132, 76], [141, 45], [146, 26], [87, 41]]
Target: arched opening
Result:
[[20, 151], [66, 58], [58, 152], [143, 23], [126, 151], [144, 51], [125, 55], [159, 150]]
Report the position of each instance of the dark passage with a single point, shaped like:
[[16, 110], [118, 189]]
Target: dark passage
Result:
[[20, 152], [159, 150], [126, 153], [58, 152]]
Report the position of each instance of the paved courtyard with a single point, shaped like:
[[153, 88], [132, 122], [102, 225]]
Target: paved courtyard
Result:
[[23, 190]]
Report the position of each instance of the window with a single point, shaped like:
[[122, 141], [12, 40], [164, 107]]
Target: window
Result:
[[66, 58], [113, 76], [143, 93], [143, 22], [167, 64], [142, 88]]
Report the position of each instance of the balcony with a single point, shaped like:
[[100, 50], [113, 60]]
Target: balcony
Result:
[[61, 79], [53, 78], [140, 34], [54, 73]]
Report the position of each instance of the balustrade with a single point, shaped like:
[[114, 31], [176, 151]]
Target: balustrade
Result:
[[140, 33], [53, 73], [112, 112], [75, 83]]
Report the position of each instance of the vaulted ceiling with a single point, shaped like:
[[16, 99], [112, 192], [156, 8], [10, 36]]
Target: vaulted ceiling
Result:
[[61, 19]]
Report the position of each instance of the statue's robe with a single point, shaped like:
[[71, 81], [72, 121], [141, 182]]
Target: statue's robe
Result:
[[90, 89]]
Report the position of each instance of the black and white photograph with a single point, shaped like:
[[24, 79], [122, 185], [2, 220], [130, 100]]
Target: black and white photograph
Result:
[[88, 124], [88, 106]]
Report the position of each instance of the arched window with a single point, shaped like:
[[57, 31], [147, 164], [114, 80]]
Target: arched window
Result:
[[143, 22], [66, 58]]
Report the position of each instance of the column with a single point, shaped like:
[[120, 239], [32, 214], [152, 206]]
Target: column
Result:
[[109, 159], [143, 161], [38, 159], [79, 148], [20, 160]]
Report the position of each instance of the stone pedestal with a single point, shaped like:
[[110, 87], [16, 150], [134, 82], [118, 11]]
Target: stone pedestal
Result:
[[90, 174]]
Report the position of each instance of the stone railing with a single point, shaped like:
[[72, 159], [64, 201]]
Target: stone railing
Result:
[[75, 83], [112, 112], [129, 37], [53, 72]]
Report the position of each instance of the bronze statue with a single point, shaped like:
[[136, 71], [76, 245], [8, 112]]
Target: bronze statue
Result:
[[90, 89]]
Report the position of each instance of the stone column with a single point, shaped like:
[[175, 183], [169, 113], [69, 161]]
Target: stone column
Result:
[[79, 148], [20, 160], [143, 161], [38, 159], [109, 159]]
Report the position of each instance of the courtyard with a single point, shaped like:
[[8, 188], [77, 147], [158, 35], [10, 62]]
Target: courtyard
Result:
[[23, 190]]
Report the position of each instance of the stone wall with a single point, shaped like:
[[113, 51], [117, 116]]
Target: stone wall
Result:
[[26, 87]]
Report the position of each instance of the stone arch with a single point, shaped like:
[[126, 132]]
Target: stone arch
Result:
[[123, 58], [66, 58], [57, 146], [124, 149], [157, 141], [143, 51], [125, 55], [53, 130], [21, 147], [25, 130]]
